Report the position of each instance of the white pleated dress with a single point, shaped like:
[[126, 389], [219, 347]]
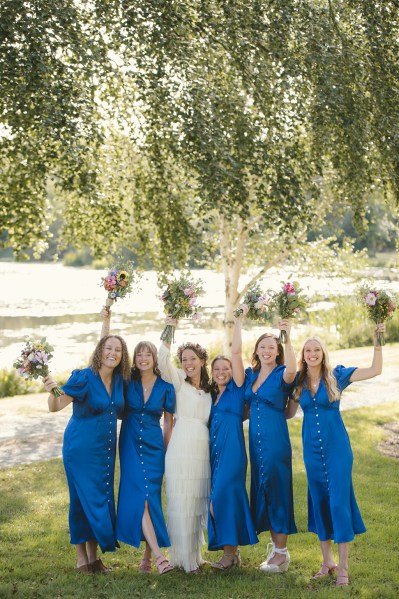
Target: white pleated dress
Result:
[[187, 468]]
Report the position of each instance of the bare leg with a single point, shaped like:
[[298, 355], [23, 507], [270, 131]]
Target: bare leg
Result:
[[280, 542], [326, 550], [82, 558], [149, 533], [147, 551], [343, 552], [91, 548]]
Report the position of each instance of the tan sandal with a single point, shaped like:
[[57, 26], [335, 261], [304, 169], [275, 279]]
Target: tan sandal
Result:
[[234, 560], [163, 565]]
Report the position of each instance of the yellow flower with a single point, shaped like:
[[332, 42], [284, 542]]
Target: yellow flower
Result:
[[123, 274]]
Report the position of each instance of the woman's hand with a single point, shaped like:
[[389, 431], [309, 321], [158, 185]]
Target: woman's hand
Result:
[[105, 313], [285, 325], [49, 383], [379, 328], [245, 310], [171, 321]]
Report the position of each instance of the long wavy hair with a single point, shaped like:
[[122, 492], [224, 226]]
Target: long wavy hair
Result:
[[145, 345], [205, 380], [215, 387], [255, 361], [327, 375], [124, 365]]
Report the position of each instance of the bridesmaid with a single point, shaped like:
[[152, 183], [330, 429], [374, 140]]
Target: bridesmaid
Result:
[[142, 456], [89, 448], [229, 518], [333, 513], [268, 384]]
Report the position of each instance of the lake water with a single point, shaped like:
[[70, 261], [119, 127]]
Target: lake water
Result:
[[63, 304]]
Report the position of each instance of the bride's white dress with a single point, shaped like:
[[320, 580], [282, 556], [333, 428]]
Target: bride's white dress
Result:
[[187, 468]]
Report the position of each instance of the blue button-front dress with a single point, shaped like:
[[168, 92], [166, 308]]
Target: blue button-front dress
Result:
[[271, 496], [232, 523], [332, 509], [89, 457], [142, 460]]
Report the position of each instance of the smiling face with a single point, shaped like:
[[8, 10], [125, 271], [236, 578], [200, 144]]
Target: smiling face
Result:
[[221, 372], [267, 351], [313, 353], [111, 354], [191, 363], [144, 359]]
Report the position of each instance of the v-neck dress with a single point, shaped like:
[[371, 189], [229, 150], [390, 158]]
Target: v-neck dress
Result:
[[89, 457], [142, 462], [231, 523], [187, 468], [271, 497], [333, 512]]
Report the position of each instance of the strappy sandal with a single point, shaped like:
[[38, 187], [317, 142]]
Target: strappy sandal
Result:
[[98, 567], [274, 568], [163, 565], [342, 580], [145, 566], [324, 571], [234, 560]]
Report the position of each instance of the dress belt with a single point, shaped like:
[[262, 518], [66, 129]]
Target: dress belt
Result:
[[191, 420]]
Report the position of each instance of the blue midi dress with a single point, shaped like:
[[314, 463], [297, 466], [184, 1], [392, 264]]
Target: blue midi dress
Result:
[[142, 461], [231, 523], [332, 509], [271, 496], [89, 457]]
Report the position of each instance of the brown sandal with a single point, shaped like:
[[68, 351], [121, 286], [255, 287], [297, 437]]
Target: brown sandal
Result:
[[84, 569], [324, 571], [98, 567]]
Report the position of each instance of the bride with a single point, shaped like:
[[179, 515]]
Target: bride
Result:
[[187, 469]]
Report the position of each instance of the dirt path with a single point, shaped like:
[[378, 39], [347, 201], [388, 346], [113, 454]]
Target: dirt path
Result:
[[29, 433]]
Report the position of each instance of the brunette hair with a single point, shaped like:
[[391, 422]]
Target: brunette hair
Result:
[[145, 345], [124, 365], [215, 386], [255, 362], [205, 381], [327, 375]]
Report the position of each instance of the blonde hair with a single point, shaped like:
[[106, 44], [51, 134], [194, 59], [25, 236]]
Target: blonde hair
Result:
[[327, 375]]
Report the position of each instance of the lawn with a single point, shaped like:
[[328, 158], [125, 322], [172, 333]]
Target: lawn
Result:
[[38, 562]]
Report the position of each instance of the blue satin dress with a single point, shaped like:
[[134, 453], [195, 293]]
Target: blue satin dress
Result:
[[332, 509], [271, 496], [142, 461], [232, 523], [89, 457]]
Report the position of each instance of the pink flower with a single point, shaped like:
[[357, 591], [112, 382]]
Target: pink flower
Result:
[[289, 289], [197, 317], [189, 291], [193, 301], [371, 298]]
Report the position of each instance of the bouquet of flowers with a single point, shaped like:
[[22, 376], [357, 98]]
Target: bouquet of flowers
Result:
[[258, 302], [119, 281], [33, 361], [379, 304], [288, 303], [180, 300]]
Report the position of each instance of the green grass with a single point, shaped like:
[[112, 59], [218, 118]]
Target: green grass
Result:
[[38, 562]]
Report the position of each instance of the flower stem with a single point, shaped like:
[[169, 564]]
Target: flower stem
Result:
[[168, 334]]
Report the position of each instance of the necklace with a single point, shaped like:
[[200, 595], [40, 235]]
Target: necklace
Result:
[[314, 384]]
